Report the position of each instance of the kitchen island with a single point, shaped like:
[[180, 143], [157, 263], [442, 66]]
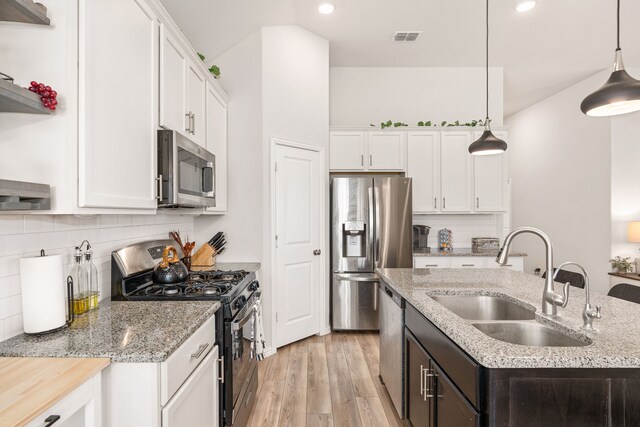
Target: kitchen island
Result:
[[474, 379]]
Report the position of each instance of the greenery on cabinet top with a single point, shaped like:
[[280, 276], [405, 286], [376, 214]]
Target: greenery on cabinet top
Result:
[[429, 123]]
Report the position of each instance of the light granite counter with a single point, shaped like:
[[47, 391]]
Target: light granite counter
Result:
[[616, 344], [251, 267], [123, 331], [463, 252]]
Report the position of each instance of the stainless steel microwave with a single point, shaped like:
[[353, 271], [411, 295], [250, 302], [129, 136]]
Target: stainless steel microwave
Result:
[[186, 172]]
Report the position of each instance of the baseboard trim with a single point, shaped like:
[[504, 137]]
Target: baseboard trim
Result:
[[269, 351]]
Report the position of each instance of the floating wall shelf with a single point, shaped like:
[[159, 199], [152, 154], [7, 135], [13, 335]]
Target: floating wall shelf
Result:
[[15, 99], [23, 11]]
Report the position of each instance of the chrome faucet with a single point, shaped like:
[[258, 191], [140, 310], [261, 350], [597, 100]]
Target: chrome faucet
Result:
[[588, 313], [550, 299]]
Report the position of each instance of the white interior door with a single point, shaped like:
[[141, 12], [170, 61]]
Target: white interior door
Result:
[[297, 210]]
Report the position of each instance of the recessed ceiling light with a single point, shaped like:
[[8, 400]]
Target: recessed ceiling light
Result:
[[326, 8], [525, 5]]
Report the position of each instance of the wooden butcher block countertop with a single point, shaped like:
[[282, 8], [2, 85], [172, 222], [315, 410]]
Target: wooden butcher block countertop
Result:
[[30, 385]]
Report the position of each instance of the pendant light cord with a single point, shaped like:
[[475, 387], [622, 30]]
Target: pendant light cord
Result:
[[487, 63], [618, 33]]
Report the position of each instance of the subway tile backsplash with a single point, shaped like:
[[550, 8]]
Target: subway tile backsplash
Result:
[[25, 235], [464, 227]]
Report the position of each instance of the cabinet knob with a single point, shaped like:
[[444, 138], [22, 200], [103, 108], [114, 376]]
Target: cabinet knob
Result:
[[317, 252], [51, 420]]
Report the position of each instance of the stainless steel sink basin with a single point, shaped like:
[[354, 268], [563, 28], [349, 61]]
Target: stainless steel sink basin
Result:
[[481, 307], [528, 333]]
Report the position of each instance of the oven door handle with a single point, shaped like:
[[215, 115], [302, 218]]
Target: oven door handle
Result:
[[239, 324]]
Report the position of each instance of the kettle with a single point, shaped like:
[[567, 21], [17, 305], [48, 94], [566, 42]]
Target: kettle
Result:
[[170, 270]]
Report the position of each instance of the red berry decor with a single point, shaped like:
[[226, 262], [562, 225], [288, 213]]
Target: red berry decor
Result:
[[47, 95]]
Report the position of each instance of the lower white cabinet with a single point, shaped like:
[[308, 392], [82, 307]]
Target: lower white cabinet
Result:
[[80, 408], [515, 263], [181, 391], [196, 402]]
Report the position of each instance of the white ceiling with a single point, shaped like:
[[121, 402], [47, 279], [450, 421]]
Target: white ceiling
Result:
[[542, 51]]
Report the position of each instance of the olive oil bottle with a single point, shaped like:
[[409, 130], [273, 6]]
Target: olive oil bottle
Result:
[[93, 293], [80, 279]]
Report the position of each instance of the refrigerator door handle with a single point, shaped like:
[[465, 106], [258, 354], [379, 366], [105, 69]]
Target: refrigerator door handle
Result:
[[372, 220], [376, 197]]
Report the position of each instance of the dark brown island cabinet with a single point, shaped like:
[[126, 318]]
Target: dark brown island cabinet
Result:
[[447, 388]]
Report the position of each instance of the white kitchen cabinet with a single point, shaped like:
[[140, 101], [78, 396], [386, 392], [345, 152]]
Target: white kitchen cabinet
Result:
[[423, 166], [173, 67], [195, 103], [183, 390], [196, 402], [385, 151], [490, 180], [468, 262], [118, 104], [347, 151], [217, 144], [456, 171], [80, 408], [432, 262]]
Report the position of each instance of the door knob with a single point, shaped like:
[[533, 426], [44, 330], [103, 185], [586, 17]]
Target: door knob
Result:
[[317, 252]]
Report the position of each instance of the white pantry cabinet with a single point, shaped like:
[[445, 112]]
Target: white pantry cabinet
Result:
[[423, 166], [385, 151], [216, 110], [347, 151], [490, 180], [456, 171]]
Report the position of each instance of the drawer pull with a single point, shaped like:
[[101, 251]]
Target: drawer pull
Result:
[[468, 265], [507, 265], [201, 350], [431, 265], [221, 377], [51, 420]]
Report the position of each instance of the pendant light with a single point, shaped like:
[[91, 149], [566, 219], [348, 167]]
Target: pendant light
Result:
[[488, 143], [619, 95]]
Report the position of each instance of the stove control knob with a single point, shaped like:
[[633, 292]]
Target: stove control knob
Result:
[[241, 301], [254, 286]]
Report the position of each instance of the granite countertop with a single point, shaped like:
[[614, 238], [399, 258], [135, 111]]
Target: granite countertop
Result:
[[251, 267], [462, 252], [616, 344], [123, 331]]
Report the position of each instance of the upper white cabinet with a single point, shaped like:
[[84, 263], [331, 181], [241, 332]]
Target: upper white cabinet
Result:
[[173, 67], [196, 92], [347, 150], [386, 151], [118, 81], [366, 151], [216, 110], [490, 180], [456, 171], [423, 166]]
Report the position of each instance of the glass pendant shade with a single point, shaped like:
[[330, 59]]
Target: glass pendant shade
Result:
[[487, 144], [619, 95]]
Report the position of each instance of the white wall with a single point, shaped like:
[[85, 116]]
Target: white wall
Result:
[[25, 235], [364, 95], [560, 166], [278, 81], [625, 182]]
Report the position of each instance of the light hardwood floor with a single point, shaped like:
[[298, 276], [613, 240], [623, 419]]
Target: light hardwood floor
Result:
[[324, 381]]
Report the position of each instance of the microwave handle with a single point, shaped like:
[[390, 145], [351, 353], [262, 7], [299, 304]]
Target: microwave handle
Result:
[[208, 178]]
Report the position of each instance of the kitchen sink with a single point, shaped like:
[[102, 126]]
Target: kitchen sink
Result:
[[481, 307], [528, 333]]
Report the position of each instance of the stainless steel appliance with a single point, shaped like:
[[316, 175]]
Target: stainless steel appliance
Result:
[[238, 292], [392, 345], [371, 228], [186, 173], [421, 237]]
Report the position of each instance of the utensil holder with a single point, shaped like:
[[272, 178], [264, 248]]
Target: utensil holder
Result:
[[204, 259]]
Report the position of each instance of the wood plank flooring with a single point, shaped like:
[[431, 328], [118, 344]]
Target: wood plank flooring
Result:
[[329, 381]]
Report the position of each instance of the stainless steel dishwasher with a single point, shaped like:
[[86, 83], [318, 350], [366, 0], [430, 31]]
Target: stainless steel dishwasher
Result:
[[392, 345]]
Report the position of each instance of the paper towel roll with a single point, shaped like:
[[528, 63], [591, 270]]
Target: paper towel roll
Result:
[[44, 295]]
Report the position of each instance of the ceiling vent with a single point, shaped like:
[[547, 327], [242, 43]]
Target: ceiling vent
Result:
[[406, 36]]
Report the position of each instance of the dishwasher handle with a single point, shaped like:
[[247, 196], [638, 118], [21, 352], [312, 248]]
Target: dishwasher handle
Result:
[[397, 299]]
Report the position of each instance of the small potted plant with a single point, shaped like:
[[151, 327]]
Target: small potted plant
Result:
[[621, 265]]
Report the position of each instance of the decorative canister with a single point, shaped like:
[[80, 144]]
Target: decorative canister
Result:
[[445, 239], [485, 244]]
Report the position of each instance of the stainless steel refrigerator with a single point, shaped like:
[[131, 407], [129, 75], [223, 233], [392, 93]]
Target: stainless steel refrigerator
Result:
[[371, 219]]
